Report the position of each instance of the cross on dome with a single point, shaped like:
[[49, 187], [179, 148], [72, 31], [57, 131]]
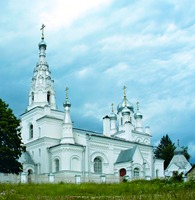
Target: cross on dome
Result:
[[125, 96], [42, 29], [178, 142], [66, 92], [112, 105], [137, 105]]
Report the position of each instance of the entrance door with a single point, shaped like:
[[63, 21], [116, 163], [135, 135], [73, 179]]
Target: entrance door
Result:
[[122, 173]]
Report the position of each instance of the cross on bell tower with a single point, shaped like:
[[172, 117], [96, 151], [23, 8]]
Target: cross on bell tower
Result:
[[42, 29]]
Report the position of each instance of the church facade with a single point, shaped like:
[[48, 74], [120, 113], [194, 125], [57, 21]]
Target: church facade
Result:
[[56, 151]]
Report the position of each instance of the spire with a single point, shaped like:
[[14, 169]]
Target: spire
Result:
[[67, 134], [42, 86], [42, 47], [67, 105], [138, 117]]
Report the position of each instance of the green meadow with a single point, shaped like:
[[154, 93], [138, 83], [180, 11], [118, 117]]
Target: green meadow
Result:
[[139, 189]]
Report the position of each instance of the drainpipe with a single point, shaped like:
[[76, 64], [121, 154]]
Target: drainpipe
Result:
[[88, 156], [50, 167], [83, 166]]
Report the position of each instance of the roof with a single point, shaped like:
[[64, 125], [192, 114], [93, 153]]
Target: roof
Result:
[[126, 155], [190, 170], [25, 158]]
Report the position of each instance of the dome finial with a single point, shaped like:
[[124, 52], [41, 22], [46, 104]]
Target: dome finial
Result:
[[137, 105], [125, 96], [67, 93], [67, 103], [42, 29], [112, 105], [178, 142]]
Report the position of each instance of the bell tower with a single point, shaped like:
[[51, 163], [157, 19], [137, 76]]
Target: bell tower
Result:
[[42, 86]]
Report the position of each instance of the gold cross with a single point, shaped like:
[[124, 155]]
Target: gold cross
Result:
[[137, 105], [125, 95], [67, 93], [124, 88], [178, 142], [112, 107], [42, 29]]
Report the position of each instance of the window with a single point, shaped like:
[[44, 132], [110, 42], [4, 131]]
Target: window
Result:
[[136, 172], [31, 131], [57, 165], [98, 165], [39, 152], [32, 95], [48, 97]]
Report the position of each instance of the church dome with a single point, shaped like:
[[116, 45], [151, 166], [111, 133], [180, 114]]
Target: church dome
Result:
[[121, 105], [125, 111], [42, 43], [178, 151], [138, 115], [67, 104], [112, 115]]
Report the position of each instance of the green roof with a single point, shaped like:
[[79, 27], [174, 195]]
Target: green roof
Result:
[[126, 155]]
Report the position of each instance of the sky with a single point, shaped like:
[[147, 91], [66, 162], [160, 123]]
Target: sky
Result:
[[97, 47]]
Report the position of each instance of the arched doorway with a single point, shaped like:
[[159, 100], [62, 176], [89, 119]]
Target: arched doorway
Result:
[[29, 176], [122, 173]]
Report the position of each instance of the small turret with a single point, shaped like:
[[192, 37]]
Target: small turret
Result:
[[125, 111], [106, 126], [138, 117], [67, 134], [113, 118], [178, 150]]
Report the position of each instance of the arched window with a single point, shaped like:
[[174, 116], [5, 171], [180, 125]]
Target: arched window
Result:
[[48, 97], [57, 165], [31, 131], [75, 164], [98, 165], [136, 172]]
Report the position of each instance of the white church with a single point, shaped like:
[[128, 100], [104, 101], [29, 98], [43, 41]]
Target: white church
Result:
[[56, 151]]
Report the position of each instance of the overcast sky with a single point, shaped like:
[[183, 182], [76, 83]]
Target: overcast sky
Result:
[[95, 47]]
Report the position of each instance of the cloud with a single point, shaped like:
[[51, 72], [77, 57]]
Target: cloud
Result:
[[97, 47]]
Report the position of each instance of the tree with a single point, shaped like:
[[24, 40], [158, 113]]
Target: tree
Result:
[[10, 141], [165, 150], [185, 152], [178, 177]]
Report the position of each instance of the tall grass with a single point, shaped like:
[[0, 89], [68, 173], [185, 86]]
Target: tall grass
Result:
[[140, 189]]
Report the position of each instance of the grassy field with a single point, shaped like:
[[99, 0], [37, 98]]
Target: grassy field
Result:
[[140, 189]]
